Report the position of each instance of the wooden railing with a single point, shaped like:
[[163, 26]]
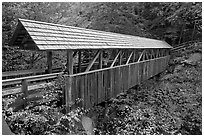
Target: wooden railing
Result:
[[183, 45], [23, 73], [96, 86], [25, 82]]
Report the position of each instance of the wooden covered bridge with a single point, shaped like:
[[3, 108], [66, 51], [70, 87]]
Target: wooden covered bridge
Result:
[[119, 61]]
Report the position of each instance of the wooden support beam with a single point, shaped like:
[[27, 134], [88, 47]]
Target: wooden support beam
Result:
[[68, 93], [79, 61], [92, 61], [101, 60], [115, 59], [134, 56], [49, 61], [70, 64], [141, 55], [68, 80], [127, 62]]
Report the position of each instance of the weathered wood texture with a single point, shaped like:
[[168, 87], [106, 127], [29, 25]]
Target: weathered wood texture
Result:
[[97, 86]]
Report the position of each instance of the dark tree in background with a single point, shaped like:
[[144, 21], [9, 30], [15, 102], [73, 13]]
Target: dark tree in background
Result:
[[173, 22]]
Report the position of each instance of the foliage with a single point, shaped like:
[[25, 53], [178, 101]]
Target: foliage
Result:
[[43, 120]]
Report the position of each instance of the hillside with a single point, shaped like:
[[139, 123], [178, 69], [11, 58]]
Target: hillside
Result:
[[170, 103]]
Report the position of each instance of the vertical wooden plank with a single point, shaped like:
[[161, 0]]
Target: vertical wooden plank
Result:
[[74, 91], [122, 79], [137, 75], [68, 91], [132, 72], [91, 75], [90, 90], [114, 82], [148, 69], [133, 75], [111, 83], [103, 87], [152, 68], [144, 71], [127, 77], [82, 90], [118, 80], [94, 88], [108, 84], [86, 91], [155, 67], [125, 74], [99, 86], [49, 61]]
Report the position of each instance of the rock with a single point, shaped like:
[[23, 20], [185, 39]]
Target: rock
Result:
[[88, 125], [167, 77], [178, 68], [5, 128], [193, 59]]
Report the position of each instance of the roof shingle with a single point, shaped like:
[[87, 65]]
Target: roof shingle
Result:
[[48, 36]]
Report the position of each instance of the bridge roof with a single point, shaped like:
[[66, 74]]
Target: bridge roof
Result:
[[35, 35]]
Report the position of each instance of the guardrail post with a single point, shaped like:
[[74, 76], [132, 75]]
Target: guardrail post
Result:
[[24, 89]]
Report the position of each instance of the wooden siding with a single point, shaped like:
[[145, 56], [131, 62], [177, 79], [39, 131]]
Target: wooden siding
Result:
[[100, 85]]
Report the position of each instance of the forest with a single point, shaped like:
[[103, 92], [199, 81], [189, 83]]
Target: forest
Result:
[[168, 105]]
